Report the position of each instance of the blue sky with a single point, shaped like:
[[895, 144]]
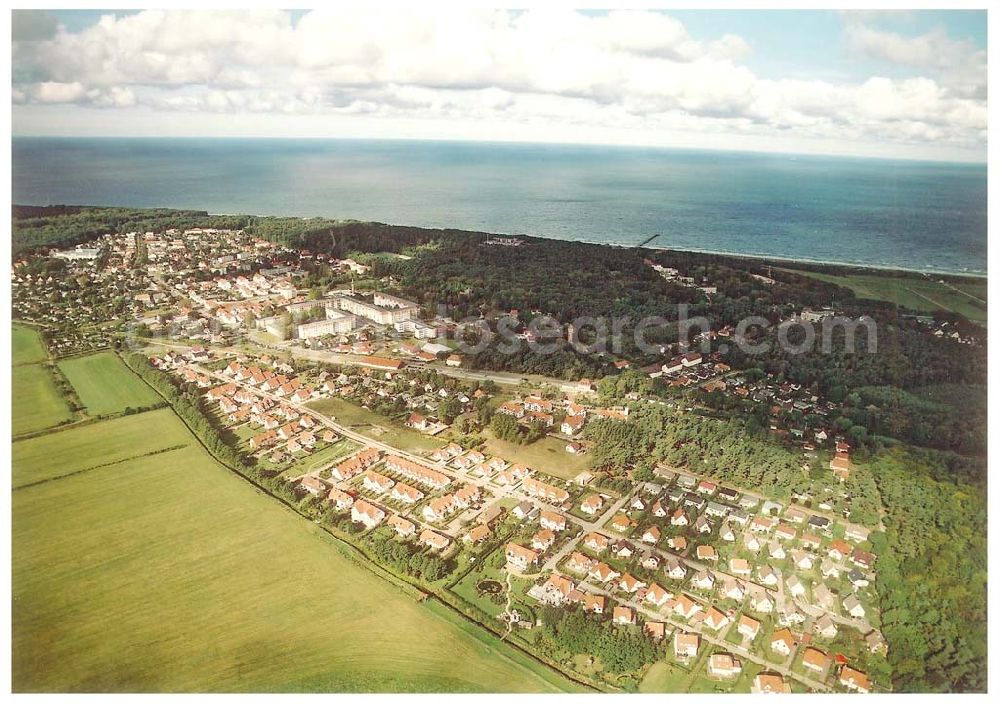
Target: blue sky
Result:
[[900, 84]]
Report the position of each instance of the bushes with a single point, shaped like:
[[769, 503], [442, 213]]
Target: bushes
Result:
[[620, 650]]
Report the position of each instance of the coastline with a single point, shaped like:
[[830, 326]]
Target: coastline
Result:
[[807, 263], [854, 267]]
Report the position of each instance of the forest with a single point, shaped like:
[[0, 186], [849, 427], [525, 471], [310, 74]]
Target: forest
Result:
[[932, 569]]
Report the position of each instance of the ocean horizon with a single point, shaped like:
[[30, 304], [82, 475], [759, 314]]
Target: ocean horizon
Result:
[[923, 216]]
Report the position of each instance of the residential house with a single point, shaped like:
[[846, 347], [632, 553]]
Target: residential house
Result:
[[434, 540], [686, 645], [748, 627], [340, 499], [553, 521], [595, 542], [853, 606], [377, 483], [716, 620], [657, 595], [722, 665], [769, 683], [854, 680], [580, 563], [815, 660], [543, 539], [403, 527], [406, 494], [825, 627], [477, 534], [366, 514], [623, 615], [520, 557], [592, 504], [782, 642], [706, 552]]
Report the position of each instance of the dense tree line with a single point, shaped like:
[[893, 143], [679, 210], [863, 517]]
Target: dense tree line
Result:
[[60, 226], [620, 649], [920, 419], [388, 550], [931, 575]]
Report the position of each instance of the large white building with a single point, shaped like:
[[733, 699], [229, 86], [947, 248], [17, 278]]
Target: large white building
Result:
[[334, 323], [385, 309]]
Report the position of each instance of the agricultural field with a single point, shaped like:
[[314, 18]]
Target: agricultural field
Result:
[[914, 292], [105, 385], [67, 451], [37, 402], [200, 579], [26, 346], [547, 455], [376, 426]]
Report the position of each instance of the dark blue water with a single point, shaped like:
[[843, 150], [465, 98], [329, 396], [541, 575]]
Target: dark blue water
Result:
[[914, 215]]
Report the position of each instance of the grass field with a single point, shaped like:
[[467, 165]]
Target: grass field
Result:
[[165, 572], [376, 426], [323, 458], [26, 346], [66, 451], [105, 385], [37, 402], [914, 292], [547, 455]]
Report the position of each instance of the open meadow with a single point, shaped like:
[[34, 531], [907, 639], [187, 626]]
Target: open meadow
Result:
[[914, 291], [26, 345], [547, 455], [105, 385], [375, 425], [37, 402], [140, 564]]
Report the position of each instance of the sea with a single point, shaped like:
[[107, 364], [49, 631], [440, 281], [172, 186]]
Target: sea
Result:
[[924, 216]]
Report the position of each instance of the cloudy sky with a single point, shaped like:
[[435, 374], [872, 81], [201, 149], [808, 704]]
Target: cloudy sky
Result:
[[904, 84]]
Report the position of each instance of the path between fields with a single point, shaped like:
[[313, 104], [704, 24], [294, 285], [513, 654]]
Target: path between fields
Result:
[[176, 447], [506, 610]]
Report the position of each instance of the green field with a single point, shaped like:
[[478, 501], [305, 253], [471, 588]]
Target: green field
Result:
[[165, 572], [66, 451], [323, 458], [105, 385], [547, 455], [37, 402], [376, 426], [914, 292], [26, 345]]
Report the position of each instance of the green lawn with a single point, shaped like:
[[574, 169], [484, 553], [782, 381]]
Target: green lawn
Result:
[[376, 426], [547, 455], [165, 572], [913, 291], [37, 402], [59, 453], [105, 385], [665, 677], [323, 458], [26, 345]]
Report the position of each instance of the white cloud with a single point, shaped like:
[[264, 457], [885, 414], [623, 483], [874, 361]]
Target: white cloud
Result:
[[959, 64], [625, 70]]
